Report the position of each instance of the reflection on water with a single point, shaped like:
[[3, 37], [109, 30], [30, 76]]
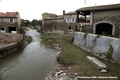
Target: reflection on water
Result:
[[33, 63]]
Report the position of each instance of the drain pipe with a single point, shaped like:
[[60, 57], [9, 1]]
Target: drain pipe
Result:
[[93, 21]]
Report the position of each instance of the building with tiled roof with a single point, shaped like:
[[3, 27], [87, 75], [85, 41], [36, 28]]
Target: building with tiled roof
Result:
[[47, 16], [9, 22], [8, 14], [52, 22], [65, 22]]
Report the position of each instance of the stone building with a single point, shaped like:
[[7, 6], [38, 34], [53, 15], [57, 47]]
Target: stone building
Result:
[[53, 23], [103, 20], [10, 22], [70, 19], [59, 23], [47, 15]]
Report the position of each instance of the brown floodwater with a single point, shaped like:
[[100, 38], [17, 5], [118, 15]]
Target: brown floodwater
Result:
[[32, 63]]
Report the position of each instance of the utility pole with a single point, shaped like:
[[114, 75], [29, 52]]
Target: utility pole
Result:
[[85, 3]]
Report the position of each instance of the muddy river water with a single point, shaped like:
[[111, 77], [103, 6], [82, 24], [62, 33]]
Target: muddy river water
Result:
[[32, 63]]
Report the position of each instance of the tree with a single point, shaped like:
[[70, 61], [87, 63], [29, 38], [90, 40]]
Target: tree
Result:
[[40, 22], [34, 22], [21, 30], [25, 23]]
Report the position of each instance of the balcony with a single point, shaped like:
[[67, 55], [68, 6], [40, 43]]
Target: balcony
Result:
[[81, 20]]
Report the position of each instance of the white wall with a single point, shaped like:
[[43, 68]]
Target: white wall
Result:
[[97, 44]]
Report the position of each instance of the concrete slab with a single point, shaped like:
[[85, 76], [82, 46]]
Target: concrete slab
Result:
[[100, 65]]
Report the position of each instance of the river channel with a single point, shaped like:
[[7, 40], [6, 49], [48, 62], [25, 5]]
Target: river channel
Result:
[[32, 63]]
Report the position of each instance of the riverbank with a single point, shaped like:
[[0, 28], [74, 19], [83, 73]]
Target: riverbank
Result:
[[11, 43], [26, 40], [73, 59]]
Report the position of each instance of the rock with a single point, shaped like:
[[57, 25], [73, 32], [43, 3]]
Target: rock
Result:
[[64, 74], [61, 74], [58, 49], [103, 71], [57, 45], [69, 67], [75, 74], [58, 73], [63, 68], [57, 69], [100, 65]]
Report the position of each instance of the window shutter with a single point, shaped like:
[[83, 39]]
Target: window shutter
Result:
[[71, 20], [66, 20]]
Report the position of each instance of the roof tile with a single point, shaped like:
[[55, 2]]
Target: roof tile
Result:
[[8, 14]]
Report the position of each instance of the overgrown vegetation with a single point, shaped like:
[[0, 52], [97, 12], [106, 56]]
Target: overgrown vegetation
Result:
[[85, 35], [25, 41], [27, 23], [110, 52], [49, 42], [76, 57], [21, 30]]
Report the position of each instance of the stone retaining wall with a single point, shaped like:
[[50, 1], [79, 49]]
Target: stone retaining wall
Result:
[[10, 48], [102, 46]]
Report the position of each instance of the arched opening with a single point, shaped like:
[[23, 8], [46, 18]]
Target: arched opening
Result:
[[104, 29]]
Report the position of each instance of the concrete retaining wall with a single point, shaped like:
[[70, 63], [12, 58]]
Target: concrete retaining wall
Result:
[[102, 46]]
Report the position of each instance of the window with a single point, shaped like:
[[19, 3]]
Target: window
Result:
[[68, 20], [69, 28], [11, 20], [2, 29], [74, 20]]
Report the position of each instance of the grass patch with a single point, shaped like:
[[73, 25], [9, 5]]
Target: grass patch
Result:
[[48, 42], [76, 56]]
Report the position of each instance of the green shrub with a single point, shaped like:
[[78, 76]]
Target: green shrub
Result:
[[21, 30], [110, 52]]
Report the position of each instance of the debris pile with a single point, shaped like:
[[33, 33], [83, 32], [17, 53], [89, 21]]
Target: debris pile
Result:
[[7, 38], [61, 74]]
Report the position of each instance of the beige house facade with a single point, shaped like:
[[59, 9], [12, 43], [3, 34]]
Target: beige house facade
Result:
[[10, 22], [70, 20]]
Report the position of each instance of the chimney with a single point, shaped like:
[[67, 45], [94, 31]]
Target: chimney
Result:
[[63, 12]]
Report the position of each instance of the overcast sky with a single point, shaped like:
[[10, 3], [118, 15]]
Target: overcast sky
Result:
[[32, 9]]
